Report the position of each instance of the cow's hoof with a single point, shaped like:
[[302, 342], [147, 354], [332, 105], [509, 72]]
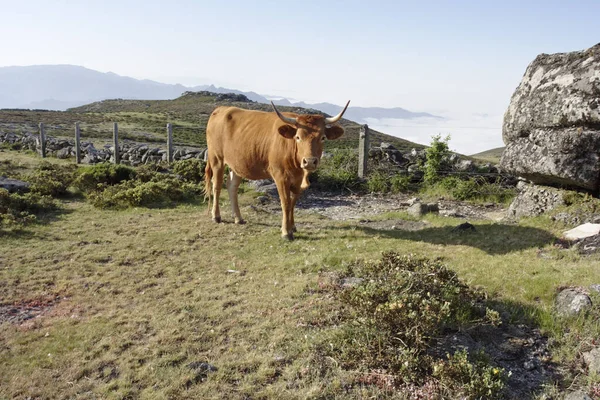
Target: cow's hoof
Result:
[[240, 222], [288, 236], [217, 220]]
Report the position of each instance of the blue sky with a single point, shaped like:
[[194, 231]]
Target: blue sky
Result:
[[444, 57]]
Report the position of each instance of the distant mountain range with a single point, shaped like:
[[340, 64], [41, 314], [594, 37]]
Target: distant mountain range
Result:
[[59, 87]]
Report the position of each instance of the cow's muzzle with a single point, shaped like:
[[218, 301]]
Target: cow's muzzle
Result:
[[310, 163]]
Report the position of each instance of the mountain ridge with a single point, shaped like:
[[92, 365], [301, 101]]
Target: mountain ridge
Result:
[[63, 86]]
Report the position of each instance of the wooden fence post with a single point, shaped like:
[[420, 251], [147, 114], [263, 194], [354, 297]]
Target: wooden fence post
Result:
[[363, 151], [117, 155], [42, 140], [77, 144], [169, 143]]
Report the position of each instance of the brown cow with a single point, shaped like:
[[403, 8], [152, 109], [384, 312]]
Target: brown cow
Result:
[[261, 145]]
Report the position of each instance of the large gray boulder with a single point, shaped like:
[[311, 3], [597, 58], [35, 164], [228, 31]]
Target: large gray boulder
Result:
[[552, 125]]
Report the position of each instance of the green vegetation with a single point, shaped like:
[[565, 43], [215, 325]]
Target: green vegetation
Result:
[[17, 210], [477, 190], [390, 317], [436, 153], [51, 179], [160, 191], [338, 172], [97, 177]]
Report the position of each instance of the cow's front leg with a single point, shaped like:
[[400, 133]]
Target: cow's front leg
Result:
[[233, 183], [295, 196], [283, 188]]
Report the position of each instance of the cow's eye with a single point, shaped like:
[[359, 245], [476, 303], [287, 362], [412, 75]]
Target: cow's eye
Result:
[[298, 138]]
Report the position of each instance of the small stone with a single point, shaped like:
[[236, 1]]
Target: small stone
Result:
[[578, 395], [262, 200], [571, 302], [13, 185], [419, 209], [351, 282], [582, 231], [592, 360], [204, 367], [595, 287], [464, 227], [529, 365]]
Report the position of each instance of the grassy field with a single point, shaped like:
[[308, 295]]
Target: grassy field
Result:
[[133, 297]]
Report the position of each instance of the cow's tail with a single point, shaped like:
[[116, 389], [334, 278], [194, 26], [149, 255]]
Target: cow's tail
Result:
[[208, 174]]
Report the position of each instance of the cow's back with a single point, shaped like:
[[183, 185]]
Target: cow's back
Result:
[[243, 139]]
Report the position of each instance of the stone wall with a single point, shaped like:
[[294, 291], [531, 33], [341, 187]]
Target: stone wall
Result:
[[131, 153]]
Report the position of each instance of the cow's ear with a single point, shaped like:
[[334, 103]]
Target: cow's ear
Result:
[[287, 131], [334, 132]]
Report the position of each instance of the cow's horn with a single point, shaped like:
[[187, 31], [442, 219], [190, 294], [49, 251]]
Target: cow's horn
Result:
[[335, 119], [287, 120]]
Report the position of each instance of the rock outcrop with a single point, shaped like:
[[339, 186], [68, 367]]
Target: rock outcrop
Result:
[[533, 200], [552, 125]]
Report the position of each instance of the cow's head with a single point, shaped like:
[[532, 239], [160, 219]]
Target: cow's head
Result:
[[310, 132]]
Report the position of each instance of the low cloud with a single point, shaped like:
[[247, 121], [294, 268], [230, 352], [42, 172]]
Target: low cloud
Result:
[[470, 132]]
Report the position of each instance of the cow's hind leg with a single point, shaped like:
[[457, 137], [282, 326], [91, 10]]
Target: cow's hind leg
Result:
[[217, 183], [233, 183]]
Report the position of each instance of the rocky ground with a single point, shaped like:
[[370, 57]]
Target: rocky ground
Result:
[[362, 208]]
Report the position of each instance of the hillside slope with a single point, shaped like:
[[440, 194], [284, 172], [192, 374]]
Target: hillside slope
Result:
[[492, 155], [192, 109]]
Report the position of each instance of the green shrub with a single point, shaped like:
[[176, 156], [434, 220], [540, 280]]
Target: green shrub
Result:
[[338, 172], [149, 172], [389, 319], [435, 155], [191, 170], [161, 191], [377, 182], [381, 182], [472, 189], [399, 183], [50, 179], [411, 296], [97, 176], [472, 380], [20, 209]]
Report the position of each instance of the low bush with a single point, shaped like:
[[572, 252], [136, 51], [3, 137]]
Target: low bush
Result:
[[471, 379], [389, 319], [472, 189], [377, 182], [162, 190], [380, 181], [97, 177], [51, 179], [20, 209], [338, 172], [191, 170]]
